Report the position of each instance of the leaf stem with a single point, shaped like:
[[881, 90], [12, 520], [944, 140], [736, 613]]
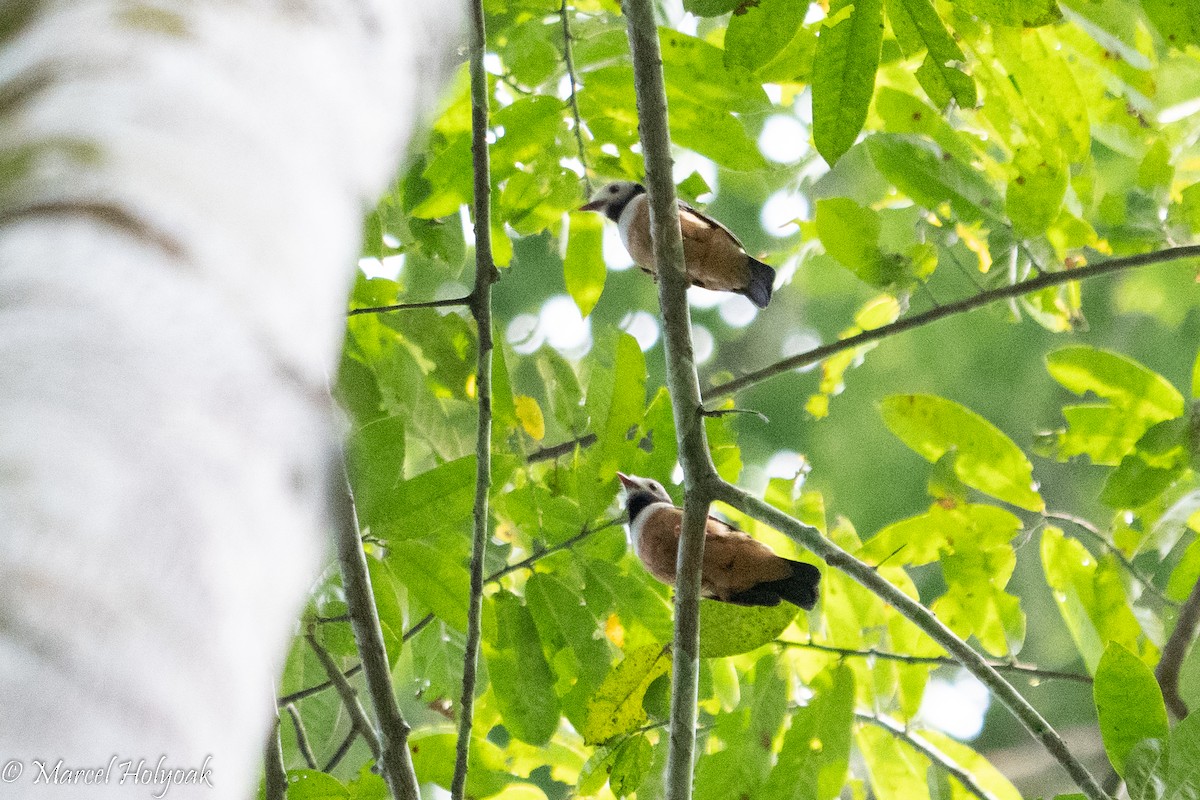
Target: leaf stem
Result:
[[929, 750], [569, 61], [1094, 533]]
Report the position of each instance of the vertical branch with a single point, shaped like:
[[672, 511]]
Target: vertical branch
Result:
[[920, 616], [275, 780], [394, 759], [481, 309], [569, 60], [698, 472]]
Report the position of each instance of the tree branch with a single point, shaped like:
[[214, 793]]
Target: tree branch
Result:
[[823, 352], [1030, 670], [557, 450], [340, 753], [301, 736], [358, 714], [481, 309], [391, 745], [454, 301], [1167, 671], [1001, 689], [275, 780], [569, 60], [1094, 532], [927, 749], [699, 475]]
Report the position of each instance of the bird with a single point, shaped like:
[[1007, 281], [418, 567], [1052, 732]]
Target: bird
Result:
[[714, 257], [737, 569]]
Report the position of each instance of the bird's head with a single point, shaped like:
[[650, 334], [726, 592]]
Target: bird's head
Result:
[[641, 492], [611, 200]]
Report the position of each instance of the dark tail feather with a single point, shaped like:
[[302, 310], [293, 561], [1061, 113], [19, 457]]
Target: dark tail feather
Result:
[[801, 588], [762, 281]]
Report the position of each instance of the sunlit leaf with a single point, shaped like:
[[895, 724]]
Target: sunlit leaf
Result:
[[727, 629], [520, 676], [616, 707], [919, 28], [1026, 13], [584, 267], [844, 74], [815, 755], [630, 765], [1128, 702], [1122, 381]]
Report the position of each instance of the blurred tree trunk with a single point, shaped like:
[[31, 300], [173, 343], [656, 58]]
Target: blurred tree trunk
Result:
[[181, 193]]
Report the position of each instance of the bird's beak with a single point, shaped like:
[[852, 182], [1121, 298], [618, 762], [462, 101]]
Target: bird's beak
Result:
[[626, 481], [595, 205]]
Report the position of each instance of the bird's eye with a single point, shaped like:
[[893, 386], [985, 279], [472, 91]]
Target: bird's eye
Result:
[[613, 189]]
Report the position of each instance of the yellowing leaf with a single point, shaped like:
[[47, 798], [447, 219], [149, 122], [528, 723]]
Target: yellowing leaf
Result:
[[616, 707], [530, 415]]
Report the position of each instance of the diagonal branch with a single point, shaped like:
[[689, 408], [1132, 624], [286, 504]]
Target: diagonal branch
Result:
[[1167, 671], [391, 743], [926, 748], [1034, 673], [823, 352], [453, 301], [358, 715], [481, 309], [920, 616], [1094, 533]]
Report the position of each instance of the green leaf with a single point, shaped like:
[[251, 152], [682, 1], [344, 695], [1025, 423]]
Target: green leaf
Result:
[[918, 28], [1021, 13], [1158, 459], [616, 707], [387, 604], [441, 498], [1103, 433], [932, 177], [727, 629], [1128, 702], [815, 756], [520, 676], [1122, 381], [976, 765], [987, 459], [1146, 770], [625, 408], [584, 268], [375, 461], [1177, 21], [631, 764], [1035, 193], [711, 8], [844, 74], [309, 784], [433, 757], [435, 575], [850, 233], [722, 443], [897, 772], [761, 31]]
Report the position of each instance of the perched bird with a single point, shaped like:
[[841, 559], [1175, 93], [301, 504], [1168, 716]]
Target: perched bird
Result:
[[737, 569], [715, 258]]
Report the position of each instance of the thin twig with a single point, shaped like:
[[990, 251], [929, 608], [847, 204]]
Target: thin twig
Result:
[[920, 616], [358, 714], [724, 412], [481, 310], [301, 736], [391, 744], [1032, 671], [297, 696], [454, 301], [569, 60], [538, 556], [275, 781], [555, 451], [927, 749], [340, 753], [1175, 649], [1098, 537], [823, 352]]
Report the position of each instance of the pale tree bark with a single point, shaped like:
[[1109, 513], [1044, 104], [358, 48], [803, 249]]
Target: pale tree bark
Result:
[[181, 191]]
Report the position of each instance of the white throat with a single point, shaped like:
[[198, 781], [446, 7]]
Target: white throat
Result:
[[635, 528]]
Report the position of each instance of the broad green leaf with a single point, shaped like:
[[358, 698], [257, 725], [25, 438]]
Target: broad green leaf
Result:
[[630, 765], [931, 177], [897, 772], [978, 767], [722, 443], [520, 676], [711, 8], [1146, 770], [595, 772], [562, 389], [1183, 767], [1159, 458], [1101, 432], [850, 233], [1091, 598], [987, 459], [434, 574], [844, 74], [727, 629], [925, 538], [1035, 193], [1045, 83], [387, 605], [1122, 381], [815, 756], [616, 707], [1129, 704], [1177, 21], [918, 28], [626, 407], [433, 757], [757, 35], [375, 461], [584, 268], [309, 784], [440, 498], [1021, 13]]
